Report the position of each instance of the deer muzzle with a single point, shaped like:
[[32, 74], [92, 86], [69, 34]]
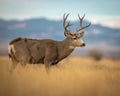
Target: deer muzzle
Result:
[[83, 45]]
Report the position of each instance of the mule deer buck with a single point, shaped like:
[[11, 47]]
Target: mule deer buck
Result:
[[46, 51]]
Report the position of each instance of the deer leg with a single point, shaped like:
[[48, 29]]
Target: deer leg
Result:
[[47, 65], [14, 61], [25, 60], [13, 65], [50, 56], [23, 64]]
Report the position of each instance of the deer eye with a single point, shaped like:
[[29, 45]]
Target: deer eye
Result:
[[75, 38]]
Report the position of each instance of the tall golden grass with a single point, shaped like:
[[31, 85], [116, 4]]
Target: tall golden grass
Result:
[[75, 76]]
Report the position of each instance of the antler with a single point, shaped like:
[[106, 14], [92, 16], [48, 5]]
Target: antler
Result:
[[66, 25], [81, 20]]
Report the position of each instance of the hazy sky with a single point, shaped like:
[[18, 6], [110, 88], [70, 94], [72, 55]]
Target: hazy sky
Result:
[[106, 12]]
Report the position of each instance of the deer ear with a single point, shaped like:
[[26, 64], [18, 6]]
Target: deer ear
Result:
[[67, 34]]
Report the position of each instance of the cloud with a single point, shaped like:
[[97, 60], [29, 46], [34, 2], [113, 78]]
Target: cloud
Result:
[[105, 20], [112, 23]]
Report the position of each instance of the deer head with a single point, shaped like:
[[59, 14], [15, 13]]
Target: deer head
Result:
[[75, 38]]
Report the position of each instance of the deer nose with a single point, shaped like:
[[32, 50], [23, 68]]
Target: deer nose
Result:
[[83, 44]]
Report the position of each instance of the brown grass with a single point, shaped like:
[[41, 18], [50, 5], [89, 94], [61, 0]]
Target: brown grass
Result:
[[74, 76]]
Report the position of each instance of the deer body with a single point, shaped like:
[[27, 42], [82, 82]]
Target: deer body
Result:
[[37, 51], [45, 51]]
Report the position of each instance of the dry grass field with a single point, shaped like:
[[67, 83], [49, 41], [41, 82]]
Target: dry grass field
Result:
[[75, 76]]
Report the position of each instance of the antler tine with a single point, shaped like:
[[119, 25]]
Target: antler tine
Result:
[[66, 32], [64, 20], [81, 20]]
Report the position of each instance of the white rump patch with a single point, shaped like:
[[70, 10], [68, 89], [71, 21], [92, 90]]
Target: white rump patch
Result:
[[11, 47]]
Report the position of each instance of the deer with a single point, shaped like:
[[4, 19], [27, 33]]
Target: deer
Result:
[[46, 51]]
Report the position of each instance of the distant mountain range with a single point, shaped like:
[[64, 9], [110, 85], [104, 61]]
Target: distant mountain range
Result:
[[96, 36]]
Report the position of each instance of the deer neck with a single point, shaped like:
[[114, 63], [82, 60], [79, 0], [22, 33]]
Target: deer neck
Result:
[[64, 48], [67, 45]]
